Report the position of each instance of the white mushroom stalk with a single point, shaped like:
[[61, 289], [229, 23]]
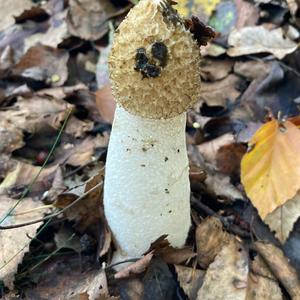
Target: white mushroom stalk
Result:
[[154, 67]]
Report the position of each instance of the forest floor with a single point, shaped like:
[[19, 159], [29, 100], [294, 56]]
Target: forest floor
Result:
[[56, 111]]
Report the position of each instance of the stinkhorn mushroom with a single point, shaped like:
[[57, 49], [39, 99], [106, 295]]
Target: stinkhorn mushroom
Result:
[[154, 66]]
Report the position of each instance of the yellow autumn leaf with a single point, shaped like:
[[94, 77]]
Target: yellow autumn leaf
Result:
[[192, 7], [270, 171]]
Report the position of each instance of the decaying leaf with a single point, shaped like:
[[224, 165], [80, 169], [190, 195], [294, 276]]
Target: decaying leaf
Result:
[[136, 267], [70, 279], [220, 93], [283, 218], [169, 254], [220, 185], [270, 171], [252, 69], [190, 280], [229, 159], [33, 114], [210, 149], [258, 39], [280, 267], [210, 239], [227, 276], [44, 63], [88, 211], [80, 153], [11, 9], [14, 243], [87, 19], [19, 179], [261, 282], [10, 136], [212, 70], [106, 103]]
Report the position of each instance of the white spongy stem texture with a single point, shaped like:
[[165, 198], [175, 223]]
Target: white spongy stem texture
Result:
[[147, 189]]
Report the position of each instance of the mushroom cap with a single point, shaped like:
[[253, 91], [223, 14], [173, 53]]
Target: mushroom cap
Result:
[[154, 62]]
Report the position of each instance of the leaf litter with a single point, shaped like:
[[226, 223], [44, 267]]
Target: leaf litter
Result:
[[54, 89]]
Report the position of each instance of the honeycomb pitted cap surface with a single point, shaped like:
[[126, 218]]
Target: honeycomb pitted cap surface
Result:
[[154, 62]]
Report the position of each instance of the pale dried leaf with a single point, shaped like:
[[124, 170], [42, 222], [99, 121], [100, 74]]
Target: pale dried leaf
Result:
[[212, 70], [57, 32], [281, 267], [78, 128], [87, 19], [43, 63], [210, 239], [11, 9], [261, 283], [221, 186], [135, 268], [11, 137], [33, 114], [190, 280], [227, 276], [283, 218], [23, 175], [220, 93], [106, 103], [14, 243], [252, 69], [258, 39], [210, 149], [81, 153]]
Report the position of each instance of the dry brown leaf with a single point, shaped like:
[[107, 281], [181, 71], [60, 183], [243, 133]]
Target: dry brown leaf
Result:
[[135, 268], [106, 103], [20, 178], [169, 254], [78, 128], [14, 243], [33, 114], [227, 276], [190, 280], [252, 69], [270, 171], [65, 238], [221, 92], [210, 149], [210, 239], [283, 218], [212, 50], [87, 19], [261, 282], [220, 185], [56, 33], [11, 137], [69, 279], [11, 9], [229, 158], [81, 152], [43, 63], [62, 92], [212, 70], [247, 14], [88, 211], [280, 267], [258, 39]]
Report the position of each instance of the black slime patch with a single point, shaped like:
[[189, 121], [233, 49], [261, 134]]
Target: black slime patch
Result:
[[169, 13], [159, 53], [150, 70], [141, 59]]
